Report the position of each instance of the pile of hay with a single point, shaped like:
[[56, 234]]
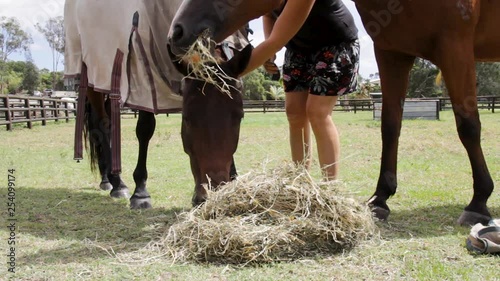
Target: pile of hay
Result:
[[278, 215]]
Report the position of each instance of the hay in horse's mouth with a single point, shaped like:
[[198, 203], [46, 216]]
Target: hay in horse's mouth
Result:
[[204, 66]]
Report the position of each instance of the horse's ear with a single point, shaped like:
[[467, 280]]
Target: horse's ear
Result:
[[237, 64], [178, 64]]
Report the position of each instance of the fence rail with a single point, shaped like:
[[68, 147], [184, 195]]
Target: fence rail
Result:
[[19, 109], [483, 102], [24, 109]]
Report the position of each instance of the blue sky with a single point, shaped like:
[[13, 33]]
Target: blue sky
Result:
[[30, 12]]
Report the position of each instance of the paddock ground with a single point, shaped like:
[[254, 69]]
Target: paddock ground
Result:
[[67, 229]]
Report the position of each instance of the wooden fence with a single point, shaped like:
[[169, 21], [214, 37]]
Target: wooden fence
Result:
[[18, 109], [24, 109], [353, 105], [444, 103]]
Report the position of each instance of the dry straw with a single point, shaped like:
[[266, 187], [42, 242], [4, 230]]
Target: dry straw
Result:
[[204, 66], [278, 215]]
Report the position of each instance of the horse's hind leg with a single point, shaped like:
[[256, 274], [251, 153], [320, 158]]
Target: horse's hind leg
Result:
[[394, 72], [119, 189], [103, 168], [100, 145], [144, 131], [458, 68], [96, 145]]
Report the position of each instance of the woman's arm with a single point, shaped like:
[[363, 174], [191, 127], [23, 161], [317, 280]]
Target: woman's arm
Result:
[[267, 24], [286, 26]]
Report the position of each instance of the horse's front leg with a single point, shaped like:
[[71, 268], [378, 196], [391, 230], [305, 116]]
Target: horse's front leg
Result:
[[394, 69], [144, 131], [458, 68], [233, 174]]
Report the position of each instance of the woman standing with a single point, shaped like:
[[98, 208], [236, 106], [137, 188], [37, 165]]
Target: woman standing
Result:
[[321, 63]]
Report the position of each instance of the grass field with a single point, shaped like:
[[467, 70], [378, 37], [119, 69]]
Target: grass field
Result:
[[67, 229]]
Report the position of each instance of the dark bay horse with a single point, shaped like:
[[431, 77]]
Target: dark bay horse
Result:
[[209, 130], [143, 75], [452, 34]]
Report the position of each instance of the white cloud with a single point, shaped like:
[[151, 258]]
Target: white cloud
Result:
[[29, 13]]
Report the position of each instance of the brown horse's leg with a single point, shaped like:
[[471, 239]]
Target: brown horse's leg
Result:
[[200, 194], [100, 139], [144, 131], [458, 68], [394, 69]]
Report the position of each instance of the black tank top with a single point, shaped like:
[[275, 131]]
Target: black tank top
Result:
[[329, 23]]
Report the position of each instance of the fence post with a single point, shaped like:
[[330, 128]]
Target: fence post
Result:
[[56, 110], [438, 103], [42, 111], [66, 111], [8, 116], [493, 105], [28, 112]]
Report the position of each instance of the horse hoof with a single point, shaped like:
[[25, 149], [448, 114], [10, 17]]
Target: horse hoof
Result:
[[468, 218], [379, 208], [197, 201], [120, 193], [105, 186], [140, 203], [380, 213]]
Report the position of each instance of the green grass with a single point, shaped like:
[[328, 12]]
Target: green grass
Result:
[[70, 230]]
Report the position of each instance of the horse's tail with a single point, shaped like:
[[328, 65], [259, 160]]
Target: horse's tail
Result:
[[93, 135]]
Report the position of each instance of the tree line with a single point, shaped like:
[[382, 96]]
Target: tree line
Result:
[[24, 76], [423, 83]]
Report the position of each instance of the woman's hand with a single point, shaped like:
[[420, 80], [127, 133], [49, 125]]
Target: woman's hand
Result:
[[270, 66]]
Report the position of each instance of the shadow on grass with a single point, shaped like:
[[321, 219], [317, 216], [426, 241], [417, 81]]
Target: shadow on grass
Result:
[[423, 222], [76, 221]]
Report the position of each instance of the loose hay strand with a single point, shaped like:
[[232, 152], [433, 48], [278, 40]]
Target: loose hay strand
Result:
[[269, 216], [205, 67]]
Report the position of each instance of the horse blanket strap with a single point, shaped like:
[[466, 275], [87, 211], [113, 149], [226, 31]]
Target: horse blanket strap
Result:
[[115, 117], [80, 114]]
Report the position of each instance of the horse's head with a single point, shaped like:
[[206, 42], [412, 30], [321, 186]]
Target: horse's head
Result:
[[211, 123], [219, 18]]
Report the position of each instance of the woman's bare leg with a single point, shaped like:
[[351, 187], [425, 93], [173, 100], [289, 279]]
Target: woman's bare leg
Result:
[[319, 110], [300, 132]]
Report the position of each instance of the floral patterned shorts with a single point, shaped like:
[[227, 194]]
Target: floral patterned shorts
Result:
[[331, 71]]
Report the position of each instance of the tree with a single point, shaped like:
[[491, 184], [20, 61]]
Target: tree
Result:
[[13, 76], [488, 78], [253, 85], [53, 30], [276, 92], [422, 80], [13, 82], [12, 39], [46, 79], [31, 79]]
